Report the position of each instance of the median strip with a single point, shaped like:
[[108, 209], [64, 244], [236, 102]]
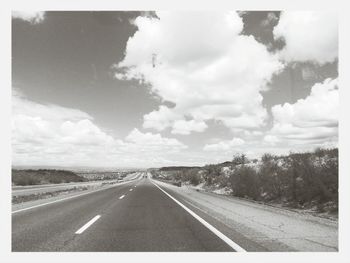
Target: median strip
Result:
[[223, 237], [87, 225], [69, 197]]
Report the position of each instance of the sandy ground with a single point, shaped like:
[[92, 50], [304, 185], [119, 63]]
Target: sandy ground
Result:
[[276, 228]]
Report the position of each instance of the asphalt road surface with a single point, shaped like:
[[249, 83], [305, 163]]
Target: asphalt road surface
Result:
[[135, 216], [36, 189]]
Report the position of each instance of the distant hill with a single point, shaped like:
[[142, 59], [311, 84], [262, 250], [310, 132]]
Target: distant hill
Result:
[[44, 176], [77, 169], [177, 168]]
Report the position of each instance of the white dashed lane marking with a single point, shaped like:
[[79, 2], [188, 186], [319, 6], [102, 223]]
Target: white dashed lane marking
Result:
[[87, 225]]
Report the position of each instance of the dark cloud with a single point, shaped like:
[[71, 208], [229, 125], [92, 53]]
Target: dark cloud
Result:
[[260, 24]]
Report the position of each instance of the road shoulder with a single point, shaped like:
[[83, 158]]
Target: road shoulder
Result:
[[275, 229]]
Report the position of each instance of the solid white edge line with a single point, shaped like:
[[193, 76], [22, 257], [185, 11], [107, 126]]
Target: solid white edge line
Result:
[[69, 197], [88, 224], [122, 197], [224, 238]]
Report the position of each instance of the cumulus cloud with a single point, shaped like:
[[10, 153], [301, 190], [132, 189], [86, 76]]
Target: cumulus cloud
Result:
[[271, 19], [186, 127], [84, 132], [55, 135], [231, 145], [310, 121], [271, 139], [21, 105], [309, 36], [152, 142], [201, 63], [301, 126], [30, 16], [160, 119], [51, 133]]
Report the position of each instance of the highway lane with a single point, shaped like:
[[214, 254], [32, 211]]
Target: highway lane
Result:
[[47, 228], [136, 216], [35, 189]]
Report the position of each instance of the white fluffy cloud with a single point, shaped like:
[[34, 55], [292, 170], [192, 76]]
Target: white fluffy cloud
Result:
[[51, 134], [55, 135], [309, 36], [30, 16], [310, 121], [186, 127], [302, 126], [200, 62], [225, 145], [149, 142]]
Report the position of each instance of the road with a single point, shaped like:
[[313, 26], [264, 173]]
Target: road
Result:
[[29, 190], [36, 189], [135, 216], [147, 215]]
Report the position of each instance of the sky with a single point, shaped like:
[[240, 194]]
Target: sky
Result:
[[152, 89]]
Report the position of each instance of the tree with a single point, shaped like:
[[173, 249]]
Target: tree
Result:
[[211, 172], [239, 159], [245, 182]]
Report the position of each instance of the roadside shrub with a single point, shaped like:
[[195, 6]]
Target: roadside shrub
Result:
[[271, 177], [244, 182], [193, 176], [303, 180], [195, 179], [211, 173], [221, 181]]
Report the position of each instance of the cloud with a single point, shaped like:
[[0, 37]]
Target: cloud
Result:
[[46, 134], [310, 121], [33, 17], [308, 36], [84, 132], [150, 142], [301, 126], [271, 139], [186, 127], [21, 105], [211, 74], [225, 145], [54, 134], [161, 119], [271, 19]]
